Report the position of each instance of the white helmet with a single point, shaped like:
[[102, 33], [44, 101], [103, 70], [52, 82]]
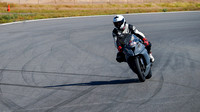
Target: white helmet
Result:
[[119, 22]]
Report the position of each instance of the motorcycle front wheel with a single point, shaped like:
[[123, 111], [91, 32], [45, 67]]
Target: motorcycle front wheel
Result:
[[139, 69]]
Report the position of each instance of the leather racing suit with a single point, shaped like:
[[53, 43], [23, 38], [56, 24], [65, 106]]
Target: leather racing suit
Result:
[[129, 29]]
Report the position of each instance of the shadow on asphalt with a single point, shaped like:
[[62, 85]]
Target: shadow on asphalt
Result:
[[98, 83]]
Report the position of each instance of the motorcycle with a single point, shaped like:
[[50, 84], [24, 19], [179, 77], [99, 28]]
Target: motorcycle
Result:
[[137, 56]]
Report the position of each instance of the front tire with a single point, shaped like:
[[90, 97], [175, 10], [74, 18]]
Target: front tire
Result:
[[139, 69], [149, 75]]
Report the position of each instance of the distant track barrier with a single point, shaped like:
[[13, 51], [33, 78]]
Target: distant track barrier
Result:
[[91, 1]]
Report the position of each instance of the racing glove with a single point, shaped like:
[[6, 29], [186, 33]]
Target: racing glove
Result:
[[120, 48], [146, 42]]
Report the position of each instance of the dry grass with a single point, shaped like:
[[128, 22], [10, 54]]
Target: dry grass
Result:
[[27, 12]]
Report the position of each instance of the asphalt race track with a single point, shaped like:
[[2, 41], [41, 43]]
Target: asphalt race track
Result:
[[68, 65]]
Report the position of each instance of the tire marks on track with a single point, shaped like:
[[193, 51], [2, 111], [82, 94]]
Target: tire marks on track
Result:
[[59, 105], [161, 81], [115, 101], [7, 102], [63, 74]]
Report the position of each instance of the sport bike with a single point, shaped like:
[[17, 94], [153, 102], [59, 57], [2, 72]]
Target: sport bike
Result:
[[137, 56]]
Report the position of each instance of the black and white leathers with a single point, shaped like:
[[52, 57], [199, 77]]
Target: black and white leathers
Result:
[[128, 29]]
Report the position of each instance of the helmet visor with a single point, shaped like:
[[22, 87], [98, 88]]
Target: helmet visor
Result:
[[119, 23]]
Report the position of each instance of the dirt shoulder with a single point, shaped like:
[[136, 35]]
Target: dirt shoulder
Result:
[[28, 12]]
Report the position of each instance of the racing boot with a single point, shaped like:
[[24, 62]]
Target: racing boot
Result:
[[120, 57], [151, 57]]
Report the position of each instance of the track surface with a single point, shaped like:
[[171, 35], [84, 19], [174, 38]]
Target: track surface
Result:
[[69, 65]]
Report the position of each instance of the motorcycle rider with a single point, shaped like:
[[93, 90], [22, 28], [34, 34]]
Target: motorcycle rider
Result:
[[121, 28]]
